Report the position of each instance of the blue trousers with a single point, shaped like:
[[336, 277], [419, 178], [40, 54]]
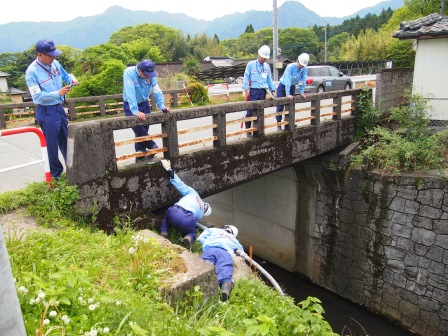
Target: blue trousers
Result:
[[282, 93], [179, 217], [223, 263], [54, 124], [254, 94], [140, 131]]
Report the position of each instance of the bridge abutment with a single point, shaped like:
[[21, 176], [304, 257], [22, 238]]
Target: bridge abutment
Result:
[[379, 240]]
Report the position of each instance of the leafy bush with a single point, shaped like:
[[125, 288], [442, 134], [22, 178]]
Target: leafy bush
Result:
[[369, 114], [198, 93], [51, 204], [408, 149]]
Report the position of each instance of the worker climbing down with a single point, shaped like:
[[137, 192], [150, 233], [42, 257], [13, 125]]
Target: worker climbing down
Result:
[[257, 79], [185, 213], [218, 247]]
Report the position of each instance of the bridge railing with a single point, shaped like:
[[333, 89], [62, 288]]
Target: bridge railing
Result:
[[215, 126], [14, 115]]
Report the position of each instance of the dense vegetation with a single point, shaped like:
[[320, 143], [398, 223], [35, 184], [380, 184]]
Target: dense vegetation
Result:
[[404, 142], [68, 286]]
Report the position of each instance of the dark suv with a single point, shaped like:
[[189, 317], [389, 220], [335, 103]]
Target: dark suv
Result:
[[323, 78]]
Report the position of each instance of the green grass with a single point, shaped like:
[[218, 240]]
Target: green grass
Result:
[[77, 280]]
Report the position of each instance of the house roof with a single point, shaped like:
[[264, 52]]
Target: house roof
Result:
[[213, 68], [4, 74], [13, 90], [431, 26]]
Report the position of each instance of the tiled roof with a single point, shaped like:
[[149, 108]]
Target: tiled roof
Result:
[[13, 90], [4, 74], [433, 25]]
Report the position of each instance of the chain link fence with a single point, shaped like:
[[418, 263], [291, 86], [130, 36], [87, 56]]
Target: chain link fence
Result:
[[438, 111]]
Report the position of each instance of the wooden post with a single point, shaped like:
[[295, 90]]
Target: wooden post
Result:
[[338, 102], [2, 118], [102, 106], [259, 123], [220, 131], [171, 141], [175, 99], [71, 109], [315, 112]]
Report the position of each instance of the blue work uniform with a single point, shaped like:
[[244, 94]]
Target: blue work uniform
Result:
[[291, 77], [44, 82], [257, 77], [218, 247], [185, 213], [136, 91]]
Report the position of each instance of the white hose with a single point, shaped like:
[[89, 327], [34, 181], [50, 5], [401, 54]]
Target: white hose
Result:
[[250, 261]]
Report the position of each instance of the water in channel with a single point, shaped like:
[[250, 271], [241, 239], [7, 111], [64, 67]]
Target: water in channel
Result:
[[345, 317]]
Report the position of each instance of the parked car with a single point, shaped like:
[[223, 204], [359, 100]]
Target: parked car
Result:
[[324, 78]]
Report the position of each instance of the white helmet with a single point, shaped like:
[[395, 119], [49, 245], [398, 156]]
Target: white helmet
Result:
[[231, 229], [264, 52], [207, 209], [304, 59]]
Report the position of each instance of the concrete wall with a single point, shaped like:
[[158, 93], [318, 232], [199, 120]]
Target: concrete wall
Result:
[[380, 241], [391, 85]]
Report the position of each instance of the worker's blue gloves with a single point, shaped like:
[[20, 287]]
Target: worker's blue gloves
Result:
[[164, 110]]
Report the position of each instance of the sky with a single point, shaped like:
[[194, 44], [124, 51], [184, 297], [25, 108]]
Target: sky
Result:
[[33, 10]]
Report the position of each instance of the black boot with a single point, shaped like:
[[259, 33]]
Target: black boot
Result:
[[226, 288]]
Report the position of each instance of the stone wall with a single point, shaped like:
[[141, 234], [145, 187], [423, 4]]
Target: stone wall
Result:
[[380, 241], [391, 85]]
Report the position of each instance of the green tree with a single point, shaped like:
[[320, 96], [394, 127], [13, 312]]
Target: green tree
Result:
[[249, 29], [140, 49], [191, 67], [168, 40], [294, 41], [108, 80], [424, 7], [264, 36], [248, 45], [401, 53], [92, 58]]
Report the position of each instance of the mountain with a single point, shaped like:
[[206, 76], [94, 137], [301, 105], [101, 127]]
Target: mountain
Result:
[[89, 31]]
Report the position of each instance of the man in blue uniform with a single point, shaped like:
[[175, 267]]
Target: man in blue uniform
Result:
[[295, 74], [218, 247], [45, 77], [257, 78], [138, 83], [186, 212]]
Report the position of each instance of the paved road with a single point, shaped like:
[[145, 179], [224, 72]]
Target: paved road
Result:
[[25, 148]]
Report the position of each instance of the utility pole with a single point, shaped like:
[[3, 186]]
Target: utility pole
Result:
[[442, 7], [275, 40]]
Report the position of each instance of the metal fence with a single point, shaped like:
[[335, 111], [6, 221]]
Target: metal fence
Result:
[[438, 111]]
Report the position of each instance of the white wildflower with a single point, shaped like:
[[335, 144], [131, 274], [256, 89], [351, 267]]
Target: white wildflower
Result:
[[92, 307], [53, 313], [90, 300], [106, 330], [46, 322], [22, 290], [131, 250]]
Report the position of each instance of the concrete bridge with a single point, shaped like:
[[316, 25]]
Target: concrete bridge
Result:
[[315, 125]]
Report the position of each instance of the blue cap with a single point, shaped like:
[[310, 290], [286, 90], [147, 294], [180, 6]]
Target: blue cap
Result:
[[47, 47], [148, 67]]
